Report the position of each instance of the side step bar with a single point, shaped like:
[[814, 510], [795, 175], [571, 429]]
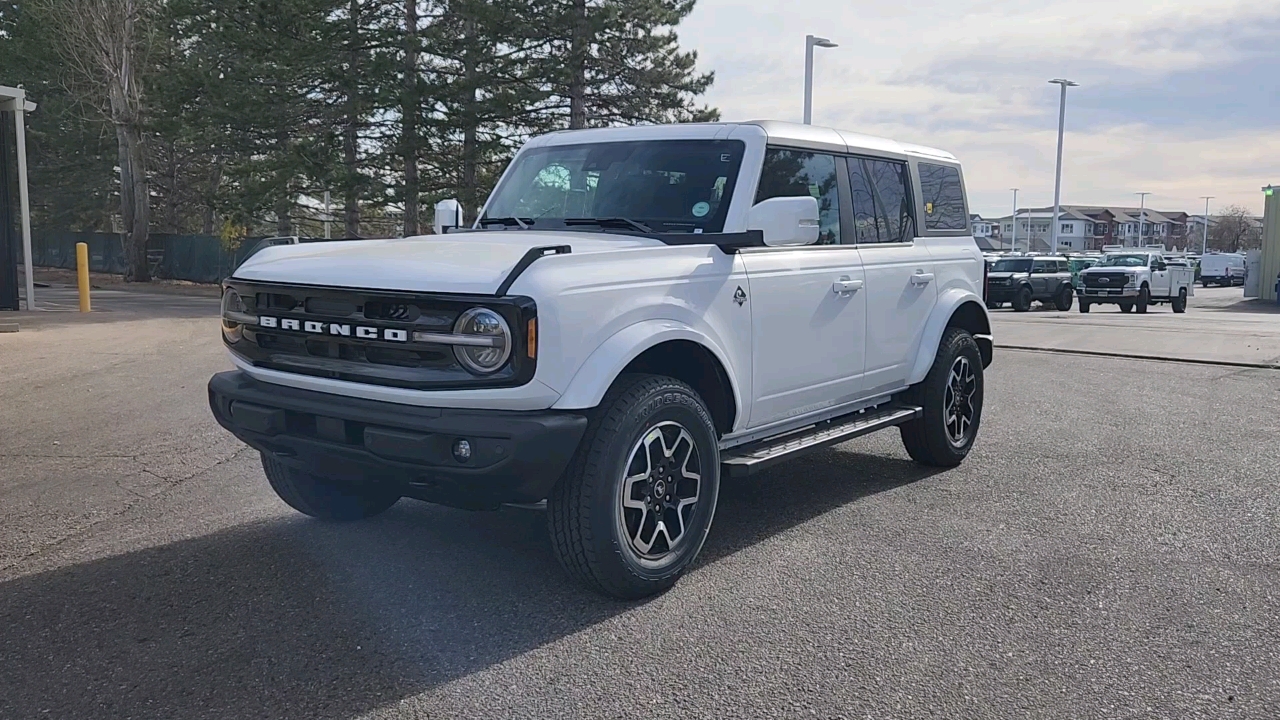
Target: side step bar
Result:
[[751, 459]]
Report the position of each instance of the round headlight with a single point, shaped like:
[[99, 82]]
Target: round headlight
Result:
[[491, 356], [232, 305]]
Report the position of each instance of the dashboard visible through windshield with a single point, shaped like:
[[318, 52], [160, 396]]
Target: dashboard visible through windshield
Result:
[[669, 186]]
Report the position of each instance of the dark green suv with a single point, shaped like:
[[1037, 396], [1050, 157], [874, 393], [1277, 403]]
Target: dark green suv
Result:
[[1023, 280]]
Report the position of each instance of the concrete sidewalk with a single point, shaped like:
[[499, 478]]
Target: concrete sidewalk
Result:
[[1218, 327]]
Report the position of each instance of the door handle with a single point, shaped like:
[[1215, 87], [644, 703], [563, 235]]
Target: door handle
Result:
[[845, 286], [921, 278]]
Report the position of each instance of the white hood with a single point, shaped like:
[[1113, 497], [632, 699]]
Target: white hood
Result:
[[464, 263]]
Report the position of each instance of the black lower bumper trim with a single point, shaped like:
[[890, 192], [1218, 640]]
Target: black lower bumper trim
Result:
[[515, 457]]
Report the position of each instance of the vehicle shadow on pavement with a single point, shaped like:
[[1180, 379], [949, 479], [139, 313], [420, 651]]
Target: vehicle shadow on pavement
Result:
[[299, 619]]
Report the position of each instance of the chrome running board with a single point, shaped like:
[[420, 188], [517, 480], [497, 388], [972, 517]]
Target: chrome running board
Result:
[[750, 459]]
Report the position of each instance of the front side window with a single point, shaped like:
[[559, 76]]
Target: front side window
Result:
[[882, 207], [796, 173], [668, 185], [943, 197]]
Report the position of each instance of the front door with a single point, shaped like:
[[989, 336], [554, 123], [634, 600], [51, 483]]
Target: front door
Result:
[[808, 304], [901, 287], [1159, 277]]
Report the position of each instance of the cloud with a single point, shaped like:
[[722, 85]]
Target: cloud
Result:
[[1179, 97]]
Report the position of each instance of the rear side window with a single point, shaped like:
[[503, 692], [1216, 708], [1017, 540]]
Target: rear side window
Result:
[[795, 173], [943, 197], [1044, 266], [882, 208]]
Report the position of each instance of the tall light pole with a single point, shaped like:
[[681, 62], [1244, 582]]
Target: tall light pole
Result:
[[810, 42], [1205, 248], [1013, 241], [1057, 182], [1142, 215]]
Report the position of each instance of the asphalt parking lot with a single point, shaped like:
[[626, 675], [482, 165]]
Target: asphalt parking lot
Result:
[[1108, 551]]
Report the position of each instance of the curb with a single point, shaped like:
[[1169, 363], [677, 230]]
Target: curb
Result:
[[1153, 358]]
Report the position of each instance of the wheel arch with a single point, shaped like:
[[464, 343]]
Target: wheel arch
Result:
[[956, 308], [659, 347]]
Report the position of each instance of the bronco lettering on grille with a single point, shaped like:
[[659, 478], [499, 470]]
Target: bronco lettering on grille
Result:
[[312, 327]]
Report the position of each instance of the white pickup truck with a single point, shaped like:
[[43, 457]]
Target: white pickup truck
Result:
[[1134, 280], [636, 313]]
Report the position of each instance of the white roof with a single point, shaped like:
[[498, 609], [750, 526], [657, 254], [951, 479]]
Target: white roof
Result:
[[793, 134]]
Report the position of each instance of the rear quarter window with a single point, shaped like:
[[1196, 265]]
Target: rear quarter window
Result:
[[943, 197]]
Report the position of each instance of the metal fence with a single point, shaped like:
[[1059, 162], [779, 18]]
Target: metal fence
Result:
[[197, 258]]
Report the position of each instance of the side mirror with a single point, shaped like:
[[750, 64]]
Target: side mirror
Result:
[[785, 220]]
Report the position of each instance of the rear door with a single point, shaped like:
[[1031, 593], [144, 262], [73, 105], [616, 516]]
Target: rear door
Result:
[[1042, 277], [808, 304], [902, 287]]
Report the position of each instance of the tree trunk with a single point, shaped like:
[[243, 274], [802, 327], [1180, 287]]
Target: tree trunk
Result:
[[409, 118], [350, 130], [172, 203], [284, 223], [135, 193], [577, 66], [215, 181]]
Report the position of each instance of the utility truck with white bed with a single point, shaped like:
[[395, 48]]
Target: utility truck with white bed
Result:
[[636, 314], [1136, 279]]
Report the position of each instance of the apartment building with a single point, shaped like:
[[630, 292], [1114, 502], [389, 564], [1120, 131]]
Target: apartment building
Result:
[[1083, 227]]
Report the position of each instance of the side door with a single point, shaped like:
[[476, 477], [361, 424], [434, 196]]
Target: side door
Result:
[[900, 272], [1042, 277], [808, 304], [1159, 277]]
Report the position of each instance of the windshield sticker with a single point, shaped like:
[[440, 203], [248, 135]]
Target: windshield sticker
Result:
[[701, 209]]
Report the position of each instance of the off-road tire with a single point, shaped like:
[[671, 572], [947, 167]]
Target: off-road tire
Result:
[[326, 498], [1084, 306], [926, 437], [1022, 299], [1144, 300], [1180, 303], [581, 509], [1064, 298]]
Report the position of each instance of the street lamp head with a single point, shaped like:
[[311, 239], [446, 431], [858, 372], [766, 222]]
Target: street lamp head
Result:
[[821, 42], [1064, 83]]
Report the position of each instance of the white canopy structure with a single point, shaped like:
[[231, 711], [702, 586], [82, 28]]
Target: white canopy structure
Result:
[[15, 100]]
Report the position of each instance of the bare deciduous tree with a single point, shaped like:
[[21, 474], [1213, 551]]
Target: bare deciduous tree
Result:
[[103, 42], [1235, 229]]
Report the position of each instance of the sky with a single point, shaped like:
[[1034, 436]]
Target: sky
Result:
[[1177, 98]]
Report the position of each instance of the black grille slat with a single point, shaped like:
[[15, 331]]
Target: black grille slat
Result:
[[1112, 280], [327, 344]]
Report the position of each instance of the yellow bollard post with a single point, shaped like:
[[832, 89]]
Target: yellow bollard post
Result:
[[82, 273]]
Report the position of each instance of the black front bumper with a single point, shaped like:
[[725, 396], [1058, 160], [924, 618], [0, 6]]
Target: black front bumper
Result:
[[516, 457]]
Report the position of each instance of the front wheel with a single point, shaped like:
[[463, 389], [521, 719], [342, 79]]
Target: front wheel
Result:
[[326, 498], [634, 507], [1084, 306], [1022, 299], [951, 397], [1180, 303], [1064, 299], [1144, 299], [1126, 307]]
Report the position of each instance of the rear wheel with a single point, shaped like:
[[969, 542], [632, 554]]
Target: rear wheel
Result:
[[951, 396], [1180, 303], [327, 498], [634, 507], [1064, 298], [1084, 306], [1126, 307], [1022, 299], [1144, 299]]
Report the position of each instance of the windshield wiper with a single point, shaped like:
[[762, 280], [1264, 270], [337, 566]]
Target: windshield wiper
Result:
[[611, 222], [522, 223]]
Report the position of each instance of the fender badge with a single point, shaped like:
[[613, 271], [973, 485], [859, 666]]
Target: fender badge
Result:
[[740, 296]]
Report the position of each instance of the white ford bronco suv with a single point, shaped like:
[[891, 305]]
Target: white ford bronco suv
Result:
[[635, 314]]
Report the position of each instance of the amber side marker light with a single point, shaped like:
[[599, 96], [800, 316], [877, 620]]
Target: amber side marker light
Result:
[[532, 343]]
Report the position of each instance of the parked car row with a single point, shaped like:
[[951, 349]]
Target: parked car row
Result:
[[1133, 278]]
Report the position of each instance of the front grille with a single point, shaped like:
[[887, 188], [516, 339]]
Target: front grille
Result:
[[342, 334], [1112, 281]]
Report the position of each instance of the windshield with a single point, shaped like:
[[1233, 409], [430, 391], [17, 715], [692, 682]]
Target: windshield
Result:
[[1012, 265], [1124, 261], [668, 185]]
